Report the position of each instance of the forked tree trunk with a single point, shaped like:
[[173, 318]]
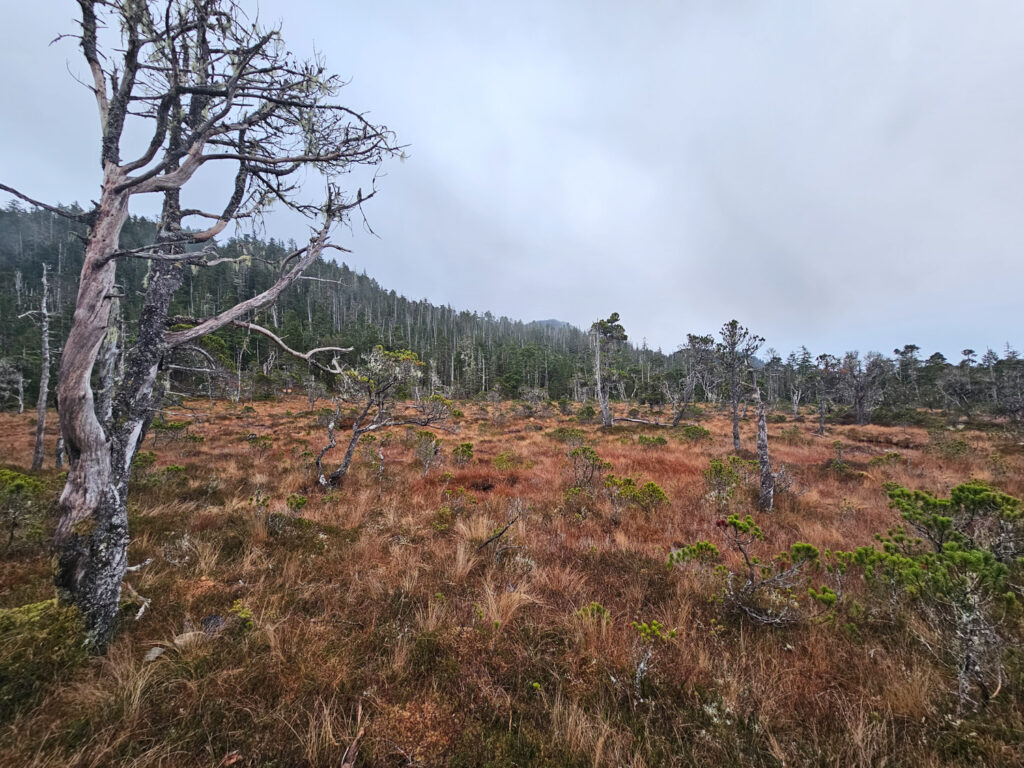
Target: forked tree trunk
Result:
[[92, 536], [39, 453]]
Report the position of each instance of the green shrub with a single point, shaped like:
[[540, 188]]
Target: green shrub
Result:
[[243, 613], [890, 458], [295, 502], [764, 590], [427, 447], [724, 476], [792, 436], [40, 644], [624, 492], [507, 461], [569, 435], [586, 414], [21, 502], [578, 502], [143, 460], [947, 444], [462, 454], [651, 441], [693, 433], [904, 417], [655, 631], [586, 466], [959, 576]]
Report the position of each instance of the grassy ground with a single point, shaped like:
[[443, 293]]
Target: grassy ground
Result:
[[276, 623]]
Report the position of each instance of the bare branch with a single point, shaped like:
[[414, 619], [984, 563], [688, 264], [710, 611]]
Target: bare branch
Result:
[[84, 218], [307, 356]]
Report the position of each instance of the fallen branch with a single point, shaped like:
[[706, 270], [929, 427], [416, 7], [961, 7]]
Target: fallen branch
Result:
[[515, 512]]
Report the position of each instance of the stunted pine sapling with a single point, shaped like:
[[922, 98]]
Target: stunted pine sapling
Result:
[[586, 466], [962, 577], [376, 388], [766, 591]]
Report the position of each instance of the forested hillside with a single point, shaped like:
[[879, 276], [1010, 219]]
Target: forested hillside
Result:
[[467, 354]]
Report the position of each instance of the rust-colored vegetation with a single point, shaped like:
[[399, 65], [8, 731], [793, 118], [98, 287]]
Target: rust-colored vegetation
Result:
[[276, 609]]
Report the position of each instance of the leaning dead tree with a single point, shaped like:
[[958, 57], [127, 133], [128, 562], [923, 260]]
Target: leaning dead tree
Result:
[[211, 88], [373, 389]]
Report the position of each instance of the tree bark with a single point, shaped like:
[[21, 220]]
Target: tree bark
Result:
[[92, 536]]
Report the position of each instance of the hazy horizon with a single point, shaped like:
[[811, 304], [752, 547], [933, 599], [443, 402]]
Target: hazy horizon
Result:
[[841, 177]]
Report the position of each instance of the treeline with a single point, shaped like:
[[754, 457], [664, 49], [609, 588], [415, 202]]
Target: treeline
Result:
[[466, 354]]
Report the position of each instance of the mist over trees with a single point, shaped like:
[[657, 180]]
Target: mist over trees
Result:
[[467, 354]]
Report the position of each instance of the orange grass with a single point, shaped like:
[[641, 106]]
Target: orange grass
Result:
[[466, 656]]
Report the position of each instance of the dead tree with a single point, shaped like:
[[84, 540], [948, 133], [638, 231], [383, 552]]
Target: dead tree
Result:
[[605, 333], [211, 88], [825, 379], [766, 497], [697, 359], [12, 384], [735, 349], [39, 452], [374, 389]]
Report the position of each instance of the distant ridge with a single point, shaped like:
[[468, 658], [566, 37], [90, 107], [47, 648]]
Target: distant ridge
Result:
[[551, 323]]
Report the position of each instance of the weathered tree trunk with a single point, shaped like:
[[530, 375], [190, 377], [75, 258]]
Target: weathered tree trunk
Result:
[[767, 496], [92, 536], [39, 453], [821, 415], [602, 393], [734, 394], [681, 411]]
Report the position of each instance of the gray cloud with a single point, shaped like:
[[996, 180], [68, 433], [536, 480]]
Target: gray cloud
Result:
[[841, 175]]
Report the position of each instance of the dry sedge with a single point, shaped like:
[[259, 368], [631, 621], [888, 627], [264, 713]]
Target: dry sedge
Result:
[[468, 641]]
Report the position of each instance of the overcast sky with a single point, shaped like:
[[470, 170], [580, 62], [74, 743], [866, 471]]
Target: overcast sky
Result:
[[841, 175]]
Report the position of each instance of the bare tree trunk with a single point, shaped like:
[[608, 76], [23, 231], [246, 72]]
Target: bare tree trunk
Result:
[[21, 392], [767, 496], [734, 394], [44, 381], [681, 412], [602, 394], [821, 415]]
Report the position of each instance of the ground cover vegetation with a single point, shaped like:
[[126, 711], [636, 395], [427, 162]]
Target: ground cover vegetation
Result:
[[467, 613]]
